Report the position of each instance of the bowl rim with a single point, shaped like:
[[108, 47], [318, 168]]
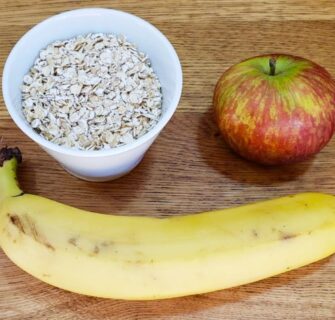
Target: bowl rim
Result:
[[24, 126]]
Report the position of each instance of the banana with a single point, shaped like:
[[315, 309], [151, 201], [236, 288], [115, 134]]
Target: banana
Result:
[[143, 258]]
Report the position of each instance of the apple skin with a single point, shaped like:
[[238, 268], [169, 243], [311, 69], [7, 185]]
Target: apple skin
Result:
[[277, 118]]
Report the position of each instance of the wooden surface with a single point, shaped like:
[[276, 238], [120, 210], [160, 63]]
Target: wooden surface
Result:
[[188, 169]]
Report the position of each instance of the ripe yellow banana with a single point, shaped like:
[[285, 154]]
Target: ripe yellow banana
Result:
[[148, 258]]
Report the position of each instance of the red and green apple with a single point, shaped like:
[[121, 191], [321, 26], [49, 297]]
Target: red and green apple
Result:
[[275, 109]]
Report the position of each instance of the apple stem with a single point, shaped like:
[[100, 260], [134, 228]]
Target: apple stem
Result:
[[272, 64]]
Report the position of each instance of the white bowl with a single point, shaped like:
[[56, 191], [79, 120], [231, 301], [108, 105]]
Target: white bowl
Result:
[[103, 164]]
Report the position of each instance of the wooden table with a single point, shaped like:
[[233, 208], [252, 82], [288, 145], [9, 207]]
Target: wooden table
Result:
[[189, 168]]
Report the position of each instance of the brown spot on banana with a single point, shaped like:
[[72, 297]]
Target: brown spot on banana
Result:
[[96, 248], [73, 241], [287, 236], [16, 221], [255, 233], [95, 251], [37, 235], [49, 246], [28, 227]]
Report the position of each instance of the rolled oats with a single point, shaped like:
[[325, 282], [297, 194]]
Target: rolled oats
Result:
[[92, 92]]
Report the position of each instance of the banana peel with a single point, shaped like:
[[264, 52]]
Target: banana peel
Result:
[[145, 258]]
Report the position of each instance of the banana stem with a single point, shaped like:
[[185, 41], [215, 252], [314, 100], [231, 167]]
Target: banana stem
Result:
[[9, 160]]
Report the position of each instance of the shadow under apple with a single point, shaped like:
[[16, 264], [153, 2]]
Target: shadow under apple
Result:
[[218, 155]]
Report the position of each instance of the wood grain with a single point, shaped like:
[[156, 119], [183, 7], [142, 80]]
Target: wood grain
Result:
[[189, 168]]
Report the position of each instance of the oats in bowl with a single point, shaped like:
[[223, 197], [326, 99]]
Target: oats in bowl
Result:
[[92, 92]]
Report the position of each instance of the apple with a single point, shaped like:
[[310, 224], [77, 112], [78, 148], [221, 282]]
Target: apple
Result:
[[275, 109]]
